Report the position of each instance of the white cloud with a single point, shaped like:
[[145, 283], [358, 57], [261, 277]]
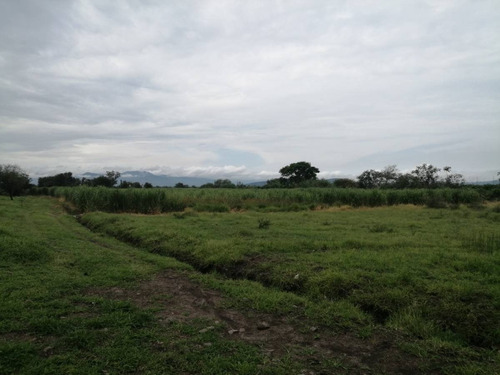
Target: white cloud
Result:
[[343, 85]]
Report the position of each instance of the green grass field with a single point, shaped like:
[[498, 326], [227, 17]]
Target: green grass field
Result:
[[425, 283]]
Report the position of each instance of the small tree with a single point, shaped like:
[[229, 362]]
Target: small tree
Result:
[[370, 179], [113, 177], [426, 175], [299, 172], [389, 175], [13, 180], [452, 179], [108, 180], [375, 179]]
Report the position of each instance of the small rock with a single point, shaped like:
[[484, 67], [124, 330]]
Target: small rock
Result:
[[296, 277], [117, 291], [313, 329], [200, 302], [263, 326], [206, 329], [48, 351]]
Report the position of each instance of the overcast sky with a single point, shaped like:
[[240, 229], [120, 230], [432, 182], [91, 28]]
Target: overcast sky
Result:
[[239, 89]]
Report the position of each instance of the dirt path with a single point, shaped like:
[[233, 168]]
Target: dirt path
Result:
[[177, 298]]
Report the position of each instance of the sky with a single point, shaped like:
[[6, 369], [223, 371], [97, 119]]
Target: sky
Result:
[[239, 89]]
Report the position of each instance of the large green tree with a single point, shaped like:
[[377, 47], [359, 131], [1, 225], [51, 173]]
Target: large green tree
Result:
[[299, 172], [61, 179], [13, 180]]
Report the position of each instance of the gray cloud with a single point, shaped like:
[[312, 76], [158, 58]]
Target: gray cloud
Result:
[[247, 87]]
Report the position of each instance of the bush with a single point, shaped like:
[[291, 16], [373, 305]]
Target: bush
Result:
[[264, 223]]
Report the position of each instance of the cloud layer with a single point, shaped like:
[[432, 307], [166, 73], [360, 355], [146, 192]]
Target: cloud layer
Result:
[[229, 88]]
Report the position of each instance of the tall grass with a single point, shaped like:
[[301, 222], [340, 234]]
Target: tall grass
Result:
[[150, 201], [482, 242]]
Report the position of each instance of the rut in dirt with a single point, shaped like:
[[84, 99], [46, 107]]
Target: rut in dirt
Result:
[[176, 298]]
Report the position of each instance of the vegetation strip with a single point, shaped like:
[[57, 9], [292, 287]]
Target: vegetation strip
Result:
[[154, 201]]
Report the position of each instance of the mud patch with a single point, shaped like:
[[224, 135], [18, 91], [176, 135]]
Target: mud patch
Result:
[[176, 298]]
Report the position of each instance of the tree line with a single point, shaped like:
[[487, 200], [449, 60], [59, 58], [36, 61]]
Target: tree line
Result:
[[303, 174], [109, 179], [14, 180]]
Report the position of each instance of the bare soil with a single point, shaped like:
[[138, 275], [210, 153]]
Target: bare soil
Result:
[[176, 298]]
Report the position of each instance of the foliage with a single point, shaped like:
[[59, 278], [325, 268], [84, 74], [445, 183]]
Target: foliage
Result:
[[344, 183], [425, 176], [375, 179], [108, 180], [369, 179], [453, 179], [296, 173], [60, 179], [264, 223], [13, 180]]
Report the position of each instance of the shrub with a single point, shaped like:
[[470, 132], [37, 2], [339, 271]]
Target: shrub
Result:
[[264, 223]]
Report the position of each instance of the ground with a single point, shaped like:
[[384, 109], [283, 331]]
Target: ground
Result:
[[177, 298]]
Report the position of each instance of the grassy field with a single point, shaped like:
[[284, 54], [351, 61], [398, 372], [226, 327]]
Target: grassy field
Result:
[[399, 289], [52, 323]]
